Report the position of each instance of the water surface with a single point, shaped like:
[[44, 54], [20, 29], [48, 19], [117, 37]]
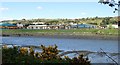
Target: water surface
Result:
[[65, 44]]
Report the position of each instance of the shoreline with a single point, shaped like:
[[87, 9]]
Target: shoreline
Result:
[[69, 36]]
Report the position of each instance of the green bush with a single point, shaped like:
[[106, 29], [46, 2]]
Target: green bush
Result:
[[49, 54]]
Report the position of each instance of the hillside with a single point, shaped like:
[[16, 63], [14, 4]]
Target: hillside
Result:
[[93, 20]]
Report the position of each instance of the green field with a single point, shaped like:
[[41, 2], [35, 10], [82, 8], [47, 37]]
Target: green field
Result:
[[62, 31]]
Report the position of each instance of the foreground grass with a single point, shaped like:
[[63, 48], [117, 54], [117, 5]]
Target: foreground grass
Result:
[[62, 31]]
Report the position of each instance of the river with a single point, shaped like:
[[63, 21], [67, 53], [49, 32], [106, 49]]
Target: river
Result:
[[67, 44]]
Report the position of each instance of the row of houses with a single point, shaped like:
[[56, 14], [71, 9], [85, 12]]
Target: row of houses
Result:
[[43, 26], [31, 26], [48, 27]]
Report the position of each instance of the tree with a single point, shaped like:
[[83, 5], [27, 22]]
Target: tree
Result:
[[52, 22], [111, 3], [23, 19]]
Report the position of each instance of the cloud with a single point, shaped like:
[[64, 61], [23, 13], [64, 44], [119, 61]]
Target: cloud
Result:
[[39, 7], [5, 18], [83, 13], [3, 8]]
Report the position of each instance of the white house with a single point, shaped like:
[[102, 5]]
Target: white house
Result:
[[38, 23], [20, 25], [48, 27], [113, 26], [37, 27]]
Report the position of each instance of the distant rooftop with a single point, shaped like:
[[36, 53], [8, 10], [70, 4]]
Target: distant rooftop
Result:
[[6, 24]]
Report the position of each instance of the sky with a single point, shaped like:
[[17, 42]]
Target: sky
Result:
[[51, 0], [53, 10]]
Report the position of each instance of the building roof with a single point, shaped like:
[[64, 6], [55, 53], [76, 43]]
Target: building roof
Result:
[[6, 24], [83, 25], [43, 25], [37, 25]]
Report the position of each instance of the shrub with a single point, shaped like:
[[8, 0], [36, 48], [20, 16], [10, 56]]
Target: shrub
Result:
[[49, 54]]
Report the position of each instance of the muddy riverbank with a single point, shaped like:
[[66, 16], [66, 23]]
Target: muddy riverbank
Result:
[[72, 36]]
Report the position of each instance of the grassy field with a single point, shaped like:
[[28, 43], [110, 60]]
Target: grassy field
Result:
[[70, 31]]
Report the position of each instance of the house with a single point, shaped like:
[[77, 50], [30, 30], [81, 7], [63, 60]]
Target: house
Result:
[[38, 23], [103, 26], [83, 26], [20, 26], [33, 26], [113, 26], [8, 26], [37, 27], [53, 27]]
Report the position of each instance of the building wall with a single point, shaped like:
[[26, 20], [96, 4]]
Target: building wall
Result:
[[47, 27], [37, 27], [83, 26], [20, 25], [8, 26], [113, 26]]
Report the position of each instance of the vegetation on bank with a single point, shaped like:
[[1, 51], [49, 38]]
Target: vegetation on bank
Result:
[[62, 31], [49, 54]]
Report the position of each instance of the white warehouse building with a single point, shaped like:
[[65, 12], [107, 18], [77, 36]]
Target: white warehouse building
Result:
[[37, 27]]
